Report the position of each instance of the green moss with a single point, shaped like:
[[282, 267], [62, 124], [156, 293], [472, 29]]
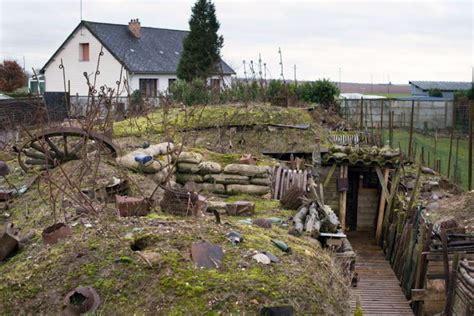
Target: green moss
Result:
[[210, 116]]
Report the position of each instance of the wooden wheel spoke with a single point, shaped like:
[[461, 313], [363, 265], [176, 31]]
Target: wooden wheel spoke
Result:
[[53, 146], [65, 144], [34, 154]]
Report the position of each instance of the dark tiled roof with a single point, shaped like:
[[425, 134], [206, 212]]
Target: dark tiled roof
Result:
[[442, 85], [156, 51]]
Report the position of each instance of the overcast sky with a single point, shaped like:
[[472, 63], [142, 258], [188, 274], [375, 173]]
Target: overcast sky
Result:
[[361, 40]]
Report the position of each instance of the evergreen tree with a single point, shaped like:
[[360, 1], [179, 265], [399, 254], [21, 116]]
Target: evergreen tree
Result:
[[202, 46]]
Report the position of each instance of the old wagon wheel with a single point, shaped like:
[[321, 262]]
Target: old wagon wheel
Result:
[[53, 147]]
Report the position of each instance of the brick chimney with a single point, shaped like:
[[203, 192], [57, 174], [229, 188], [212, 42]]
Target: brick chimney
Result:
[[134, 27]]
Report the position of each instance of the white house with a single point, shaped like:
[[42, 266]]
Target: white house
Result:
[[139, 58]]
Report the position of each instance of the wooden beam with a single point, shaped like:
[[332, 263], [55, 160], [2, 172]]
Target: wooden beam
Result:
[[380, 217], [343, 199], [383, 183], [329, 175]]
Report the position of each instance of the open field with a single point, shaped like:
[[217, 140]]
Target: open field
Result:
[[442, 151]]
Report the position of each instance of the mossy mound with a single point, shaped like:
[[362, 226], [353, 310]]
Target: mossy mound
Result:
[[199, 117], [36, 279]]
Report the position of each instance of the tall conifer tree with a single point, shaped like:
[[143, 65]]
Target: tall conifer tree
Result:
[[202, 46]]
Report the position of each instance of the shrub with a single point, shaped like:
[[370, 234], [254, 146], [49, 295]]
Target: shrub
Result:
[[320, 91], [190, 93]]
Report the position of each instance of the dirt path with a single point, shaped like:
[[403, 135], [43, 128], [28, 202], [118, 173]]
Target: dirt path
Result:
[[378, 289]]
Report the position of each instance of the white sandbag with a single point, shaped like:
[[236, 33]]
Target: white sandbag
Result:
[[206, 167], [247, 189], [191, 157], [226, 178], [187, 177], [247, 170], [186, 167]]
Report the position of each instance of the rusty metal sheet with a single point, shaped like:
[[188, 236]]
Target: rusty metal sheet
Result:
[[4, 170], [9, 240], [264, 223], [55, 233], [82, 300], [342, 184], [207, 255]]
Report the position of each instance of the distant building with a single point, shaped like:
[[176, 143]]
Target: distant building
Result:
[[447, 88], [142, 58]]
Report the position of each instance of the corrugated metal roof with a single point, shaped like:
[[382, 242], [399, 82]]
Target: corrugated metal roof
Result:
[[156, 51], [422, 98], [442, 85]]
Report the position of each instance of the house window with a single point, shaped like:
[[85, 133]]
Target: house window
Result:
[[84, 52], [148, 87], [171, 82], [215, 83]]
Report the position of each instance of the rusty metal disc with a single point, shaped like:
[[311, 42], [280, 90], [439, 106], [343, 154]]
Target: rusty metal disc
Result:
[[207, 255]]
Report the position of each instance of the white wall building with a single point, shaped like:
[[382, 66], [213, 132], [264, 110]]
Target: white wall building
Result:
[[134, 58]]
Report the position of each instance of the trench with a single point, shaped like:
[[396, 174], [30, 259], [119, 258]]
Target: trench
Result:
[[378, 290]]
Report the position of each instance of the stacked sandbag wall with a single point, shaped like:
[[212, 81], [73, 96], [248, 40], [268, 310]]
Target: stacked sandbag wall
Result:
[[155, 159], [232, 179]]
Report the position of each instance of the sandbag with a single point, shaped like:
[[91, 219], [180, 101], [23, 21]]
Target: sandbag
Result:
[[212, 187], [226, 178], [128, 161], [191, 157], [187, 177], [246, 170], [161, 176], [186, 167], [261, 181], [206, 167], [247, 189]]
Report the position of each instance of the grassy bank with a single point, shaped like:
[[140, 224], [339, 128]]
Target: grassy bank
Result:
[[209, 116], [442, 151]]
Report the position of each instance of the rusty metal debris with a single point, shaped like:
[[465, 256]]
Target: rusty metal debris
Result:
[[240, 208], [4, 170], [53, 147], [264, 223], [108, 193], [132, 206], [180, 202], [6, 194], [9, 240], [55, 233], [207, 255], [80, 301], [293, 197]]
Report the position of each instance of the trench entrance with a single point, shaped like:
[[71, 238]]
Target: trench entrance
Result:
[[378, 289]]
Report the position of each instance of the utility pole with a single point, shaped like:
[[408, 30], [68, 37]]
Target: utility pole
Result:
[[80, 8]]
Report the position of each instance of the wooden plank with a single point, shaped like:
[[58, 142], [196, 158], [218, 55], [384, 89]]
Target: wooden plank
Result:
[[383, 182], [329, 175], [380, 217]]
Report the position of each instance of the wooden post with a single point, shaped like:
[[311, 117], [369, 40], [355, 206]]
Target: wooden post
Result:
[[444, 240], [456, 162], [343, 198], [469, 167], [361, 123], [411, 128], [380, 217], [390, 139], [381, 121], [452, 283], [450, 149], [413, 193]]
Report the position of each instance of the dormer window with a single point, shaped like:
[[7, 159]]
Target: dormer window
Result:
[[84, 51]]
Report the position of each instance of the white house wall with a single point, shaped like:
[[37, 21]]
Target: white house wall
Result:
[[74, 68]]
